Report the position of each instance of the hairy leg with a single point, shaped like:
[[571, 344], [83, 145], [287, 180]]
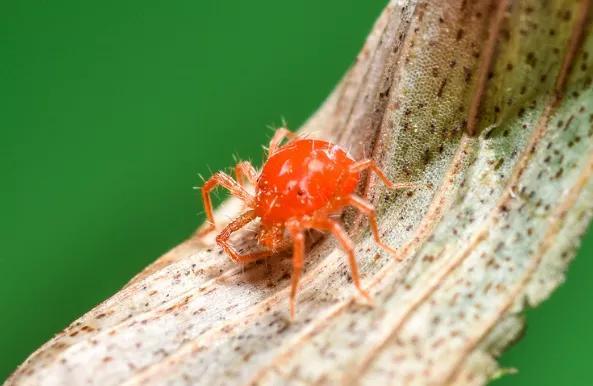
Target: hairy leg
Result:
[[372, 166], [279, 135], [227, 182], [298, 253], [369, 210], [223, 239], [244, 170], [327, 224]]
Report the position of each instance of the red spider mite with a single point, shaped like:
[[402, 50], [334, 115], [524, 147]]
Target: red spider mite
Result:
[[303, 185]]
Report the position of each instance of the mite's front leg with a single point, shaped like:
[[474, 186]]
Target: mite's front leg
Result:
[[223, 239], [244, 170], [227, 182]]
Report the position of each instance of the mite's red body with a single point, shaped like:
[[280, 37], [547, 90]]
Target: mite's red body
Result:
[[301, 186], [301, 178]]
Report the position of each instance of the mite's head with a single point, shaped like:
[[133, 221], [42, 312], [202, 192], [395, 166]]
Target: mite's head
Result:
[[272, 237]]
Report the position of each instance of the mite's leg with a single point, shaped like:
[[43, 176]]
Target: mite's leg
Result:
[[369, 210], [340, 234], [298, 253], [279, 135], [227, 182], [372, 166], [223, 239], [244, 170]]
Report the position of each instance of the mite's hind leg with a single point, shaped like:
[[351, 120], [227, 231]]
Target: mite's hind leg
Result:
[[223, 239], [298, 254], [279, 135], [372, 166], [244, 170], [347, 245], [227, 182], [369, 210]]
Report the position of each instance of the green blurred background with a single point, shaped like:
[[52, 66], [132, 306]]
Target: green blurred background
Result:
[[109, 110]]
